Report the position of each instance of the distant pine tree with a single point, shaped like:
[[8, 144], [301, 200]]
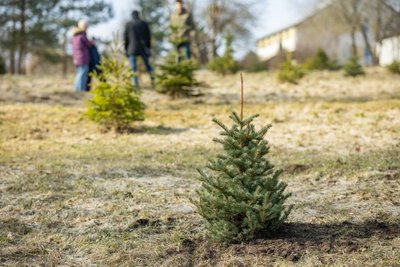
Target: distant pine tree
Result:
[[352, 68], [394, 67], [289, 72], [321, 61], [252, 63], [225, 64], [175, 76]]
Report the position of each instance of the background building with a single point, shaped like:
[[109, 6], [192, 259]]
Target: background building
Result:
[[370, 32]]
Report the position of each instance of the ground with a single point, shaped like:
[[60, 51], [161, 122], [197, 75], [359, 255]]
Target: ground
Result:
[[72, 194]]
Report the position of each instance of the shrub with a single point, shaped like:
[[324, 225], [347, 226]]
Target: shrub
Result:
[[335, 66], [242, 196], [394, 67], [252, 63], [321, 61], [225, 64], [289, 72], [115, 103], [176, 77], [258, 66], [352, 68]]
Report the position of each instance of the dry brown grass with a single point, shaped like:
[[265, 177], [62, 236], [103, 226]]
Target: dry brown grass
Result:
[[73, 195]]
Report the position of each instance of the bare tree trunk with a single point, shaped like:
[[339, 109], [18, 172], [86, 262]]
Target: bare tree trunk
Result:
[[348, 10], [371, 51], [11, 68], [379, 27], [214, 47], [13, 46], [21, 56], [215, 13], [353, 43], [21, 39], [65, 57]]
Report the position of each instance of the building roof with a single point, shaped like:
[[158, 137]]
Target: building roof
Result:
[[392, 4], [322, 6], [295, 24]]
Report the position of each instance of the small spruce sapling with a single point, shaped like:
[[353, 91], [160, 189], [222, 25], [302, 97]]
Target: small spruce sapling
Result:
[[241, 194], [116, 101], [175, 76], [252, 63], [289, 72], [352, 68], [321, 61], [225, 64]]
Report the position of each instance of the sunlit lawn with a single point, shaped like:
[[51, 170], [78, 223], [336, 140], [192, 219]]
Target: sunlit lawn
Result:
[[74, 195]]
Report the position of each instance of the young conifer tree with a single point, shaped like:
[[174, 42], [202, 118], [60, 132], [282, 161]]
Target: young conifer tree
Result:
[[352, 68], [290, 72], [241, 195], [116, 100], [225, 64], [320, 61], [394, 67], [176, 75]]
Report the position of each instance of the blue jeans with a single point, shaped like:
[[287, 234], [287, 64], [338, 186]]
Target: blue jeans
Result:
[[81, 78], [186, 50], [149, 68]]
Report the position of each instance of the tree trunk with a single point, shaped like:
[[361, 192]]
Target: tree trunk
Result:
[[214, 48], [215, 13], [21, 56], [65, 58], [13, 45], [371, 51], [353, 43], [22, 37], [11, 68]]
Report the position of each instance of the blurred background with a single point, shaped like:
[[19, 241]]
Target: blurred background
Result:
[[36, 34]]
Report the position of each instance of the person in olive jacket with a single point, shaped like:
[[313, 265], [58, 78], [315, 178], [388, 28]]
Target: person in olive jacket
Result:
[[137, 37], [182, 26]]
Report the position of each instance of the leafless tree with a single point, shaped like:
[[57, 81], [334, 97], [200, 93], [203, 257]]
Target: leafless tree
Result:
[[374, 19], [227, 16], [349, 11]]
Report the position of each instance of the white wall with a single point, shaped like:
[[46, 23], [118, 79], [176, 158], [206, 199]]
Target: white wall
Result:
[[270, 47], [389, 51], [268, 52]]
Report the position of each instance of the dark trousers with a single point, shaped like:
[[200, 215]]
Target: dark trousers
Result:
[[184, 49], [149, 68]]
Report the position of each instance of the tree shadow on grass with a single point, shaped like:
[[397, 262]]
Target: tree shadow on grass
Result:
[[156, 130], [294, 240], [63, 98], [281, 97]]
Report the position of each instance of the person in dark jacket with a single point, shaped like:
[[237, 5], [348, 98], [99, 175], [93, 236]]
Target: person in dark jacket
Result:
[[94, 64], [81, 55], [95, 59], [137, 38]]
